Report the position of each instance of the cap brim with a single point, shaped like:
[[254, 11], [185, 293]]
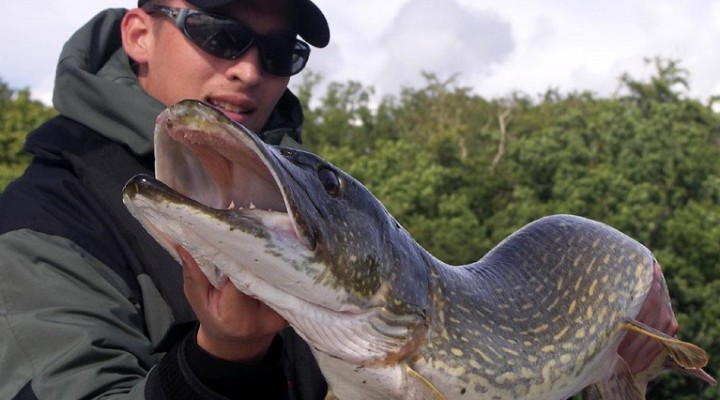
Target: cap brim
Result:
[[313, 25]]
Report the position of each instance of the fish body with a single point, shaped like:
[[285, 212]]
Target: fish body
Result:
[[541, 316]]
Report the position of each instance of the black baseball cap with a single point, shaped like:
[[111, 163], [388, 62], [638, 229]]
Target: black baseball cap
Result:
[[312, 25]]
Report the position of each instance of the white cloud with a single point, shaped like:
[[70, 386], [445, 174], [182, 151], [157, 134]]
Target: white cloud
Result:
[[442, 37], [497, 46], [34, 32]]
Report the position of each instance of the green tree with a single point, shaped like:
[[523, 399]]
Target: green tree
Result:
[[344, 117], [19, 114]]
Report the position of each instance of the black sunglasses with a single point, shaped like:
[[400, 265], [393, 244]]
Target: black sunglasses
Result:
[[228, 38]]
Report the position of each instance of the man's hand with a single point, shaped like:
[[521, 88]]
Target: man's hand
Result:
[[639, 350], [233, 326]]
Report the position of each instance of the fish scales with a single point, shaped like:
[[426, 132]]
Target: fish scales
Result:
[[567, 340], [539, 316]]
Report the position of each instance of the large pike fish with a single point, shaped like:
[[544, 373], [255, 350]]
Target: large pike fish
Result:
[[541, 316]]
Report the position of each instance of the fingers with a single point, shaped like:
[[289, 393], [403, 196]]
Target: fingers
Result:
[[233, 326], [243, 328]]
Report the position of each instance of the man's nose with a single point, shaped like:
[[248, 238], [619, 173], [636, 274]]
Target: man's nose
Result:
[[248, 68]]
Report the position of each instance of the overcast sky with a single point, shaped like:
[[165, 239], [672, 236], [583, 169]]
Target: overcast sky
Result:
[[496, 46]]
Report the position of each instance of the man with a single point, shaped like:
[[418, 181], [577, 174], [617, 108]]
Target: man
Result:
[[91, 306]]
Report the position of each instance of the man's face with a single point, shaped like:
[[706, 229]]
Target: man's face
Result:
[[176, 69]]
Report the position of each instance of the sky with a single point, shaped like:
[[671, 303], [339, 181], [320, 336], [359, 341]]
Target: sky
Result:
[[495, 47]]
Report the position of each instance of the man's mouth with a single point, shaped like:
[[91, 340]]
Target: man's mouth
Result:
[[229, 107]]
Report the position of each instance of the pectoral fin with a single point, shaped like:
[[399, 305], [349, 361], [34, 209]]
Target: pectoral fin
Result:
[[330, 395], [685, 355], [620, 386], [420, 388], [679, 355]]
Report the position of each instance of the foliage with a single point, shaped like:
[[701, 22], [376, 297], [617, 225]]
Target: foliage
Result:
[[461, 172], [19, 114]]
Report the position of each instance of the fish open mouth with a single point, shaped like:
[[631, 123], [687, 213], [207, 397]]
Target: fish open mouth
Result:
[[213, 164], [204, 157]]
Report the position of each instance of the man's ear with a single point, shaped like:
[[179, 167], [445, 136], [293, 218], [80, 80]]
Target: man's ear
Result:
[[137, 35]]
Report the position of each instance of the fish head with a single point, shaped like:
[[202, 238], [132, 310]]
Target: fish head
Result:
[[287, 227]]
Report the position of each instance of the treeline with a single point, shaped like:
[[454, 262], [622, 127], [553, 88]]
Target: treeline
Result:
[[19, 114], [461, 172]]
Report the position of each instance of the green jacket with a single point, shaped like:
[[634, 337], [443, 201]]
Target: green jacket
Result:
[[90, 305]]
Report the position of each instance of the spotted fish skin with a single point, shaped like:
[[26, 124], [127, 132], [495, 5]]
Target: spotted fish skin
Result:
[[539, 317]]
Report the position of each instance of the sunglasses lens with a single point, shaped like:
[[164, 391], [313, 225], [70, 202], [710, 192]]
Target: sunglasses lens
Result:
[[220, 37], [283, 55], [300, 57], [226, 38]]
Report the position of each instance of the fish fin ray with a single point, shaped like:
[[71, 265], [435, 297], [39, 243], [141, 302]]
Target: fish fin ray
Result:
[[592, 392], [420, 388], [698, 373], [621, 385], [685, 354]]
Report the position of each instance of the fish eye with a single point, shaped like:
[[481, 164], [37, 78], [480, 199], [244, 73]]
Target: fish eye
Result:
[[330, 181]]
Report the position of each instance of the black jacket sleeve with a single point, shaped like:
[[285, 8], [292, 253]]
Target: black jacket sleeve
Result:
[[189, 372]]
